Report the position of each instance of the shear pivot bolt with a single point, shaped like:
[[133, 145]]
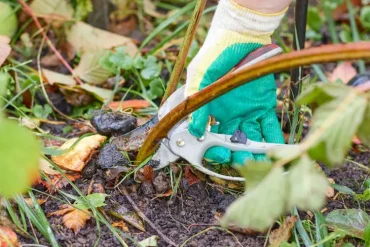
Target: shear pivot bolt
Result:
[[180, 143], [201, 139]]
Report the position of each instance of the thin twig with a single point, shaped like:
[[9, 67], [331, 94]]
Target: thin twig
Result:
[[184, 50], [143, 216], [48, 41]]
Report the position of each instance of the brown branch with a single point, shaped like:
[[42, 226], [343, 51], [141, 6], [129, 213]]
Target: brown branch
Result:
[[143, 216], [323, 54], [48, 41], [181, 59]]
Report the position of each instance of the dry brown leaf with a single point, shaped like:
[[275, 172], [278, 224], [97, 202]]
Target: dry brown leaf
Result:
[[52, 9], [56, 182], [8, 238], [84, 38], [73, 218], [343, 72], [30, 202], [4, 48], [145, 174], [150, 9], [121, 224], [284, 232], [53, 77], [76, 158], [166, 194], [190, 177], [330, 192], [46, 167]]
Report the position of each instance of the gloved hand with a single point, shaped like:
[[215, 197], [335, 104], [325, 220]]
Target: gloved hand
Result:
[[234, 33]]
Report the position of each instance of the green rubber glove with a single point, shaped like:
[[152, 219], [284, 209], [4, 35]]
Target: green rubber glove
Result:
[[235, 32]]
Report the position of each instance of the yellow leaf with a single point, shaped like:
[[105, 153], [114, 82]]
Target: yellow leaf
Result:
[[8, 237], [73, 218], [89, 68], [76, 158], [54, 77], [84, 38], [121, 224], [284, 232], [52, 9]]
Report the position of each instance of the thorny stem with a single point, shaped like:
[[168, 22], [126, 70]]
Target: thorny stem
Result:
[[48, 41], [327, 53], [181, 59]]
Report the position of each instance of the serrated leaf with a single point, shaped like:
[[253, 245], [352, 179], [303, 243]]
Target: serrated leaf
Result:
[[100, 93], [20, 155], [321, 93], [364, 129], [96, 200], [268, 196], [84, 38], [254, 172], [333, 126], [305, 179], [73, 218], [53, 9], [352, 221], [90, 69]]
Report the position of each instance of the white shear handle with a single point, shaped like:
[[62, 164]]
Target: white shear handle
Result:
[[192, 149]]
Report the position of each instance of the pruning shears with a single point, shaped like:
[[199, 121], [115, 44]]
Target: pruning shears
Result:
[[179, 143]]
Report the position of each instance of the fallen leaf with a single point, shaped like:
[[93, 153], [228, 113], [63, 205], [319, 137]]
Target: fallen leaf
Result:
[[73, 218], [100, 93], [54, 77], [149, 242], [30, 202], [344, 72], [330, 192], [47, 168], [352, 221], [89, 68], [56, 182], [86, 38], [190, 177], [145, 174], [121, 224], [52, 9], [76, 157], [284, 232], [150, 9], [129, 217], [8, 238], [4, 48], [166, 194], [134, 103]]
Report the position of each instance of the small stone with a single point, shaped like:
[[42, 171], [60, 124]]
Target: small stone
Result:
[[110, 157], [161, 183], [121, 209], [89, 170], [113, 123], [147, 188]]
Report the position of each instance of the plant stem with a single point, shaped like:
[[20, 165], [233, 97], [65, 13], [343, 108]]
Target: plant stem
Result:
[[331, 25], [355, 33], [181, 59], [327, 53]]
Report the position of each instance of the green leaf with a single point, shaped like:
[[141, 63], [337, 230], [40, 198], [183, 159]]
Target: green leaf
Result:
[[334, 124], [285, 152], [352, 221], [82, 8], [152, 68], [4, 80], [322, 93], [42, 111], [101, 93], [305, 179], [96, 200], [156, 88], [254, 172], [20, 156], [268, 197], [366, 236], [321, 229], [90, 69], [149, 242], [342, 189], [365, 196], [8, 20], [314, 19], [365, 17], [364, 129]]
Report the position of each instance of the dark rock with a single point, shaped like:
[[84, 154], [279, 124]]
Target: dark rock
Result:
[[57, 99], [110, 157], [89, 170], [161, 183], [147, 188], [113, 123]]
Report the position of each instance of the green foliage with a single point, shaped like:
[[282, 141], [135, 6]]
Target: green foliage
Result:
[[8, 20], [365, 17], [82, 8], [19, 152], [352, 221], [314, 20], [42, 111], [96, 200]]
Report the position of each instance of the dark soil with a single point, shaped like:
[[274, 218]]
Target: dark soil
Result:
[[190, 212]]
